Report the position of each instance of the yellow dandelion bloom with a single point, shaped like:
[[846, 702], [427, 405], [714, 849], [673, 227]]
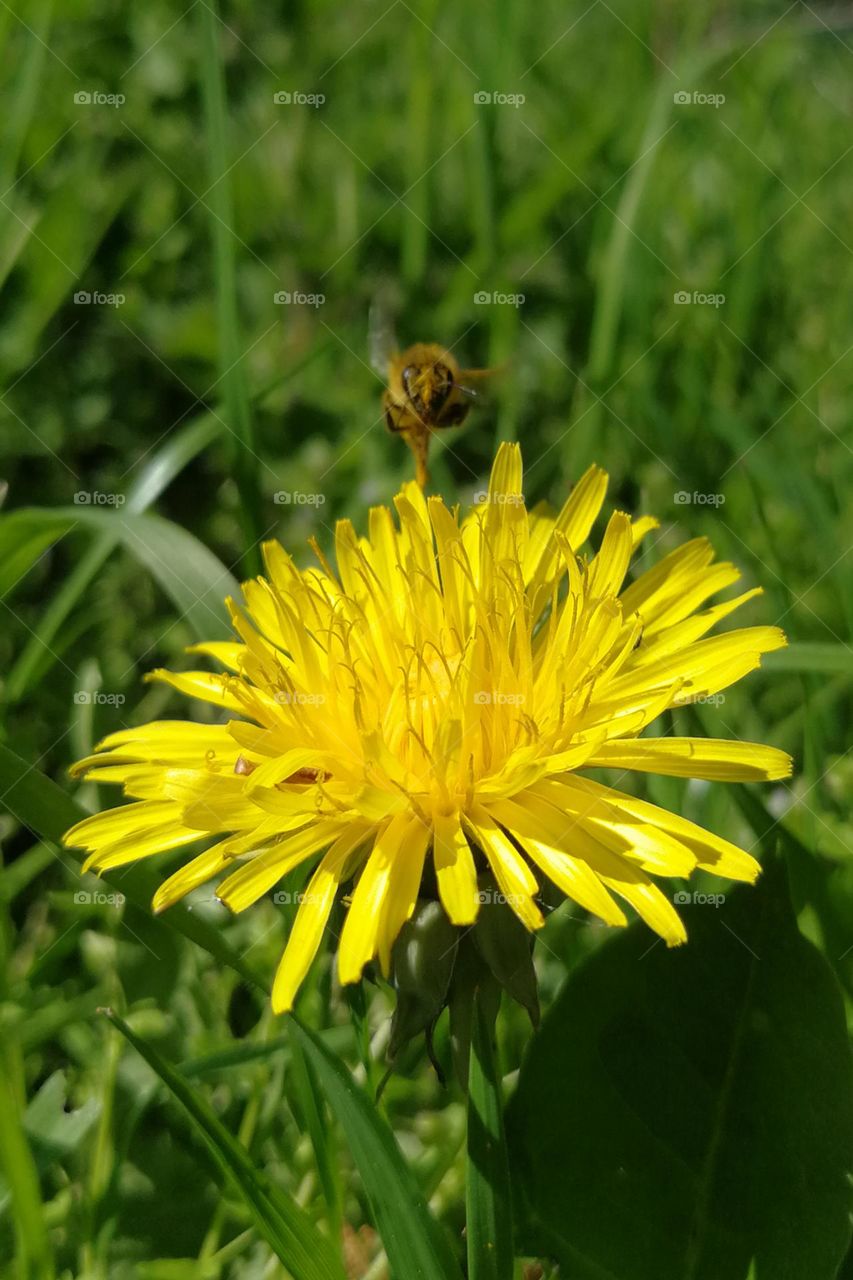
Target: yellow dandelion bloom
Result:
[[438, 697]]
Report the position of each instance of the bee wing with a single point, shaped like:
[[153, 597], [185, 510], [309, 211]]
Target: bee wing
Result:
[[382, 341]]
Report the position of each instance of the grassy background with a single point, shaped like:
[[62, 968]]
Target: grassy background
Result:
[[196, 200]]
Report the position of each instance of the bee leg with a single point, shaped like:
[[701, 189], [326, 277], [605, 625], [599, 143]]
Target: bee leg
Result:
[[418, 442], [393, 415]]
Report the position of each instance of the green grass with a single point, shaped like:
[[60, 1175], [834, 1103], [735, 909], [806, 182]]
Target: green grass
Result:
[[199, 398]]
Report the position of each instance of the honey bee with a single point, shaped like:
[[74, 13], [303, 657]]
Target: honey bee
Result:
[[426, 391]]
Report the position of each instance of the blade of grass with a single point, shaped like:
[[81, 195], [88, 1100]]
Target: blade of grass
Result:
[[488, 1200], [16, 1159], [156, 475], [22, 98], [283, 1224], [413, 1240], [190, 574], [813, 657], [313, 1114], [238, 408]]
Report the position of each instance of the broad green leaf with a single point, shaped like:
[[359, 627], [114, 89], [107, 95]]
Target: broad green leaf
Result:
[[191, 575], [48, 811], [488, 1199], [284, 1225], [414, 1242], [684, 1112]]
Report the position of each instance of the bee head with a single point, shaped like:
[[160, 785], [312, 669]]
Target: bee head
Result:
[[427, 386]]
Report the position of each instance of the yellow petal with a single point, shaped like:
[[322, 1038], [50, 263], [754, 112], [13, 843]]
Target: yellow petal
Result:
[[362, 927], [189, 877], [103, 829], [572, 875], [404, 882], [257, 876], [515, 879], [205, 685], [713, 853], [311, 918], [455, 870], [228, 653], [712, 758]]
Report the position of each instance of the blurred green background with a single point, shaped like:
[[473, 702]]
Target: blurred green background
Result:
[[663, 192]]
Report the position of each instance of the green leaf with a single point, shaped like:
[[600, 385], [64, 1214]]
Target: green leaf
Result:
[[191, 575], [684, 1112], [155, 475], [414, 1242], [43, 807], [53, 1131], [232, 348], [284, 1225], [488, 1200], [812, 657], [313, 1115]]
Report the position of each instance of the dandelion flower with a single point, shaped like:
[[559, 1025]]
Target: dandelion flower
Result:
[[424, 713]]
